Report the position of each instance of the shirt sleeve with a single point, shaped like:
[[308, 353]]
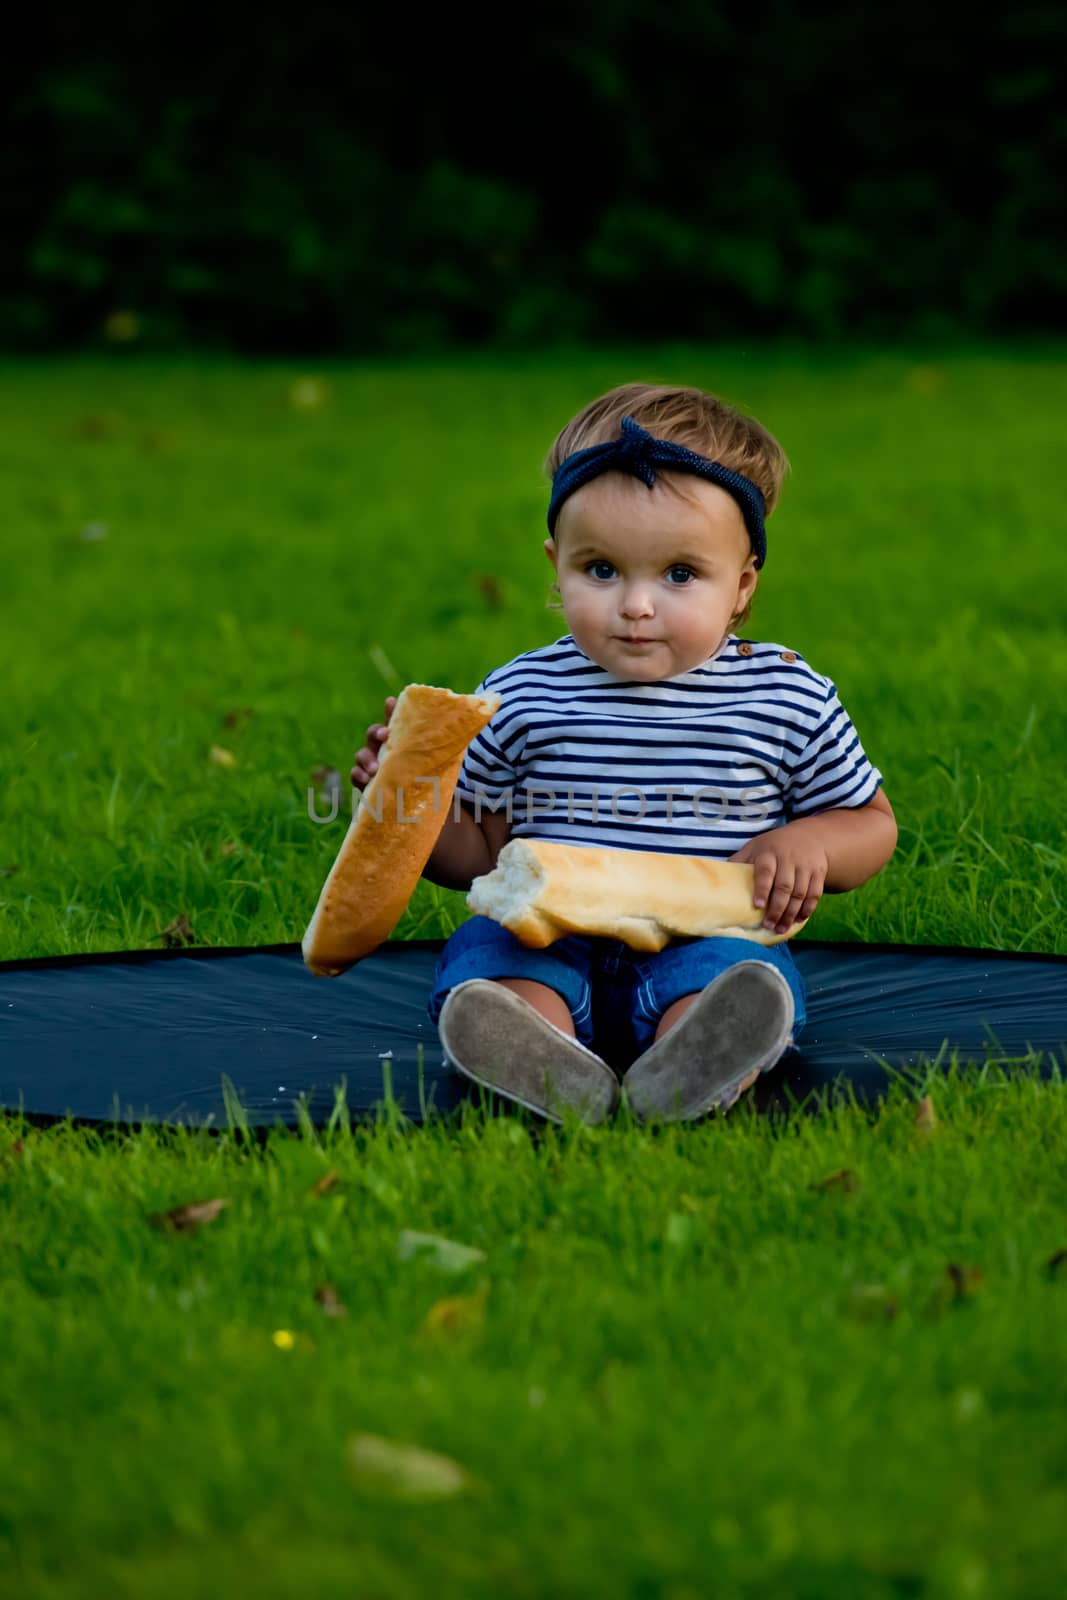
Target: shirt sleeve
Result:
[[832, 770], [487, 773]]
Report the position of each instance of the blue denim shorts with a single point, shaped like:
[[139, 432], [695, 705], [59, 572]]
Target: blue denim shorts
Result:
[[616, 995]]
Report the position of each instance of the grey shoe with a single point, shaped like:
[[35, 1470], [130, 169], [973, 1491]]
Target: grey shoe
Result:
[[495, 1037], [736, 1028]]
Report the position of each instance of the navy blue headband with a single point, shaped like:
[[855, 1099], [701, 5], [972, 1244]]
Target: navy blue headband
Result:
[[638, 452]]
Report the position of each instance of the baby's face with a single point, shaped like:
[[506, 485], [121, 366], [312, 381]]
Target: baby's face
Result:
[[640, 564]]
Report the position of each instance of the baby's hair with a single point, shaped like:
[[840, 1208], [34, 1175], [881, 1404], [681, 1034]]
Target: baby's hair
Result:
[[686, 416]]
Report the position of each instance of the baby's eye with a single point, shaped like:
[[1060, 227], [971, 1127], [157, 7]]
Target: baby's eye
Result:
[[593, 564], [682, 569]]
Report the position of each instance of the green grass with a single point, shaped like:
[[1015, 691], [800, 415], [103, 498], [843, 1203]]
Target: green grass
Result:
[[687, 1370], [304, 564]]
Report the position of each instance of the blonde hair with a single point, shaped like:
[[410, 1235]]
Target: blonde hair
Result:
[[686, 416]]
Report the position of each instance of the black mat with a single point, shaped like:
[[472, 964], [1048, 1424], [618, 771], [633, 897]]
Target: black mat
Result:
[[148, 1036]]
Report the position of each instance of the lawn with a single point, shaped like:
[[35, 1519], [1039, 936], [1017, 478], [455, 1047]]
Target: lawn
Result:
[[682, 1361]]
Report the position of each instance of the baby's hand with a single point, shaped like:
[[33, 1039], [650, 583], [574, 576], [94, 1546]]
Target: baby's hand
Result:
[[790, 875], [367, 757]]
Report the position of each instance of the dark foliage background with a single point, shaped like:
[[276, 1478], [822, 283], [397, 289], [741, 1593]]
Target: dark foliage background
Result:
[[377, 180]]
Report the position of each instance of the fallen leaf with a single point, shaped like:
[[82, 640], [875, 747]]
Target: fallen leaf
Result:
[[13, 1154], [843, 1181], [459, 1314], [957, 1283], [221, 756], [229, 847], [965, 1280], [968, 1402], [98, 425], [328, 780], [330, 1301], [387, 1193], [684, 1230], [324, 1184], [186, 1219], [10, 871], [237, 719], [872, 1302], [403, 1471], [491, 591], [1056, 1262], [443, 1253], [926, 379], [122, 327], [383, 665], [925, 1115], [177, 933], [158, 440], [307, 394]]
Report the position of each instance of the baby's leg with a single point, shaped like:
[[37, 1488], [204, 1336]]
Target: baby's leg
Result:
[[674, 1013], [711, 1044], [524, 1046], [549, 1002]]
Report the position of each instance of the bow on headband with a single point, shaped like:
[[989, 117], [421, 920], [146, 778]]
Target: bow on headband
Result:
[[640, 452]]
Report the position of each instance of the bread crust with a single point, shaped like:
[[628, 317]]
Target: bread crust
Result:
[[394, 829], [643, 897]]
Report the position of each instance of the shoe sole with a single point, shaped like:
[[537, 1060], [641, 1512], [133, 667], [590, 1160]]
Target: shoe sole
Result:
[[496, 1038], [736, 1028]]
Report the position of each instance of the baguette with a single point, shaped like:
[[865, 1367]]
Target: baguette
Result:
[[394, 829], [543, 890]]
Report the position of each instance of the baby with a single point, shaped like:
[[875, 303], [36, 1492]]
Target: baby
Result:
[[651, 725]]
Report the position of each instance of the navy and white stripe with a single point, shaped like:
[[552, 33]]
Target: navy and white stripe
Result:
[[747, 741]]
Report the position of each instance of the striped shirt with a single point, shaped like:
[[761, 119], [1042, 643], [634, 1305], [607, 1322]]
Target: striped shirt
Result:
[[693, 765]]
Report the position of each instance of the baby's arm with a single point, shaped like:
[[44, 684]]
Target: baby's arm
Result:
[[461, 854], [463, 850], [824, 854], [467, 849]]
